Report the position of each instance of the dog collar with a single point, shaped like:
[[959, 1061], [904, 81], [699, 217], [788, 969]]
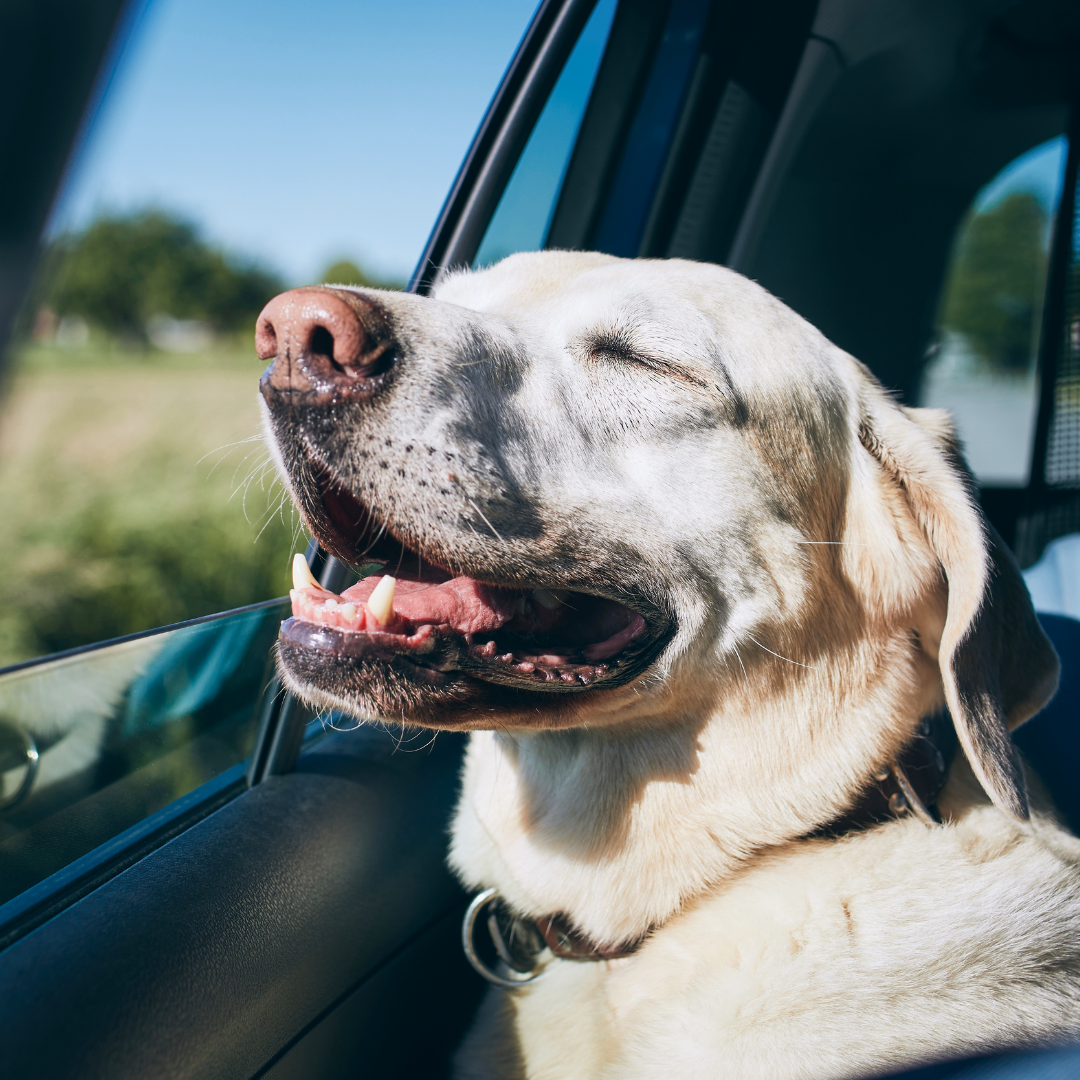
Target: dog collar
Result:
[[908, 786]]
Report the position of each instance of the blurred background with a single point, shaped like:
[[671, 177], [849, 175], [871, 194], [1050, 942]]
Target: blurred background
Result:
[[234, 149]]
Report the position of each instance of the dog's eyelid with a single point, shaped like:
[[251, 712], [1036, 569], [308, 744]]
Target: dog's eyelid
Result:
[[615, 347]]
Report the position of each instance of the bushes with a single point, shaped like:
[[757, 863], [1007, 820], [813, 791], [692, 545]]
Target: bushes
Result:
[[120, 272], [119, 485], [103, 575]]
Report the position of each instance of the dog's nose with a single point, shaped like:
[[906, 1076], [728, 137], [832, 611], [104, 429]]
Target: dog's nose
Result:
[[325, 340]]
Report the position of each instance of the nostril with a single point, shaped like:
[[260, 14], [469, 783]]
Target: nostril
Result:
[[265, 339], [322, 344]]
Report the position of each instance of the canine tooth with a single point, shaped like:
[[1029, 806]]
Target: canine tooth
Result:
[[546, 599], [381, 601], [302, 577]]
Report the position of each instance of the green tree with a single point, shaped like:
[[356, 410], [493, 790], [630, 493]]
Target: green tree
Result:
[[120, 271], [993, 296], [346, 272]]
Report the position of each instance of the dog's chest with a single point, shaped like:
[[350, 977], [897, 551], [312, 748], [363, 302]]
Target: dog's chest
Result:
[[822, 959]]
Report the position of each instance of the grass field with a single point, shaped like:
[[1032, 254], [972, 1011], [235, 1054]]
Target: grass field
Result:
[[125, 500]]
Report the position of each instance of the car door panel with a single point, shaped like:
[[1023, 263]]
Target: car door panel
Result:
[[251, 927]]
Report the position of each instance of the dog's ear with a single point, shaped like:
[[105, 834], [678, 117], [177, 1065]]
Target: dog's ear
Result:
[[997, 666]]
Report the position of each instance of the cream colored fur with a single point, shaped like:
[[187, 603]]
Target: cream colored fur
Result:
[[767, 956], [831, 582], [829, 959]]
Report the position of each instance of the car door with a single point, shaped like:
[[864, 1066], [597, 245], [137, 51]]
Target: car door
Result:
[[290, 913]]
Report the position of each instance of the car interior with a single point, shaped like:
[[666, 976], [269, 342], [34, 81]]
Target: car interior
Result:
[[290, 913]]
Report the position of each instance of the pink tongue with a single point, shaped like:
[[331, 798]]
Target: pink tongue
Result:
[[468, 606]]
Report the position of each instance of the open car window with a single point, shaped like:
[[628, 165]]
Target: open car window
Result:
[[96, 741], [146, 539]]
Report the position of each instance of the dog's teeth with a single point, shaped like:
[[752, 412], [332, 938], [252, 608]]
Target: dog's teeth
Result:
[[302, 577], [330, 605], [546, 599], [348, 610], [381, 601]]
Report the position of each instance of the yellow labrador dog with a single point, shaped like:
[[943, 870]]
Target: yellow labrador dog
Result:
[[701, 590]]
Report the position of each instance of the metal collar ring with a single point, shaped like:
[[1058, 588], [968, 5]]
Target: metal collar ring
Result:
[[512, 980]]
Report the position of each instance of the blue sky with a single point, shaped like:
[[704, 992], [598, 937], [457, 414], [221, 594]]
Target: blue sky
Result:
[[1041, 171], [296, 131], [301, 131]]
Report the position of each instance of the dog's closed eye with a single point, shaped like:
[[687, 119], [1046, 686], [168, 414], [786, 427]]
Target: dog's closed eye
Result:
[[616, 347]]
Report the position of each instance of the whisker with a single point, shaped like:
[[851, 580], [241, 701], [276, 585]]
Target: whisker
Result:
[[777, 655], [229, 446], [487, 523], [739, 656]]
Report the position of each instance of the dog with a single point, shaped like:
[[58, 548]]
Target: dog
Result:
[[696, 584]]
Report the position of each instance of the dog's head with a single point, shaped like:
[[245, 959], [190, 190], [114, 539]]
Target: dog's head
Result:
[[621, 491]]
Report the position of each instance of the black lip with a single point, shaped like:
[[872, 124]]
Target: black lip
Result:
[[447, 655], [347, 528]]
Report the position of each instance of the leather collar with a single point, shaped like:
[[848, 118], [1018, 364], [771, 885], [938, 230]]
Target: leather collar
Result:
[[909, 786]]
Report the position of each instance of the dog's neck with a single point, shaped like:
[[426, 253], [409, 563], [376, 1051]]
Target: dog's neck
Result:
[[618, 826]]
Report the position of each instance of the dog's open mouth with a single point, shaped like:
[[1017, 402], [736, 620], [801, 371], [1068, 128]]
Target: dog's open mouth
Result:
[[432, 622]]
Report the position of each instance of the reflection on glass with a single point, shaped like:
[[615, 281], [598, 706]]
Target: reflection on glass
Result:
[[984, 365], [523, 216], [95, 742]]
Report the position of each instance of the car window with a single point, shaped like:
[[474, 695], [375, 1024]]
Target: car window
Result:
[[653, 134], [984, 356], [94, 742], [523, 217], [137, 491]]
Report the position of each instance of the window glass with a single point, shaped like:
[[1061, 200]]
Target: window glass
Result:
[[95, 742], [523, 216], [1062, 466], [625, 213], [983, 366]]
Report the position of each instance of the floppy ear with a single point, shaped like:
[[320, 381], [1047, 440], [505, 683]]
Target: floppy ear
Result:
[[997, 666]]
